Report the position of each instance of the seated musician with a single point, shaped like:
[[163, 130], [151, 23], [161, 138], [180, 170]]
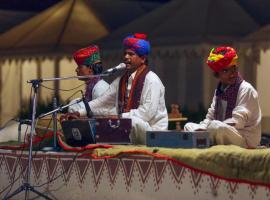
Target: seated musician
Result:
[[89, 63], [138, 94], [234, 116]]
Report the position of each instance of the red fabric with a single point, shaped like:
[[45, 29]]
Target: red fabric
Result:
[[66, 147], [81, 55], [217, 64], [36, 140], [135, 91], [140, 36], [166, 157]]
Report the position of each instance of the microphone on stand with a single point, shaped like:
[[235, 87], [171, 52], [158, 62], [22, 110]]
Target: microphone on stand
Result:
[[112, 70], [87, 107]]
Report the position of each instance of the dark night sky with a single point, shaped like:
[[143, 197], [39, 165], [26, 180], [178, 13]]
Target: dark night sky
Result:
[[26, 5], [38, 5]]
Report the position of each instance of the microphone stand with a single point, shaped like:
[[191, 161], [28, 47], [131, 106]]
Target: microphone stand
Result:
[[54, 114], [60, 108], [26, 186], [54, 124]]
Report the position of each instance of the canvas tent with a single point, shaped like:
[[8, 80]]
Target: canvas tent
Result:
[[256, 48], [42, 46], [39, 48], [9, 18], [181, 33]]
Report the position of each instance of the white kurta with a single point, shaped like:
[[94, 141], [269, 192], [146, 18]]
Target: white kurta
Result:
[[99, 89], [11, 132], [150, 115], [247, 118]]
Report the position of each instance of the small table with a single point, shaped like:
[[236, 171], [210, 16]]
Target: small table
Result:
[[178, 121]]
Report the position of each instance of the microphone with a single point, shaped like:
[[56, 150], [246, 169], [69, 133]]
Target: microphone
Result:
[[112, 70], [87, 107]]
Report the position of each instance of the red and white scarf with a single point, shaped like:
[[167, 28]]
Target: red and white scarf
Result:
[[133, 101]]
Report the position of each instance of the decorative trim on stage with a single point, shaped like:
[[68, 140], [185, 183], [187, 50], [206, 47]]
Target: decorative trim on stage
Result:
[[120, 176]]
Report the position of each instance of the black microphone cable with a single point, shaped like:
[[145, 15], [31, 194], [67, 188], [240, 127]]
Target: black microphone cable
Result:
[[87, 107], [10, 186]]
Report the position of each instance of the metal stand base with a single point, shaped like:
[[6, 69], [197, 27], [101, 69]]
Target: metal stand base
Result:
[[26, 187]]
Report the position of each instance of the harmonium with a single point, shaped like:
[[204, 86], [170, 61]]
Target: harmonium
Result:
[[80, 132]]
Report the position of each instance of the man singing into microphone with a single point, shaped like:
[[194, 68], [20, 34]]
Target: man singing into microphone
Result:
[[138, 94]]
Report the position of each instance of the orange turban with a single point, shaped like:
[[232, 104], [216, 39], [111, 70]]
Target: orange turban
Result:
[[221, 57]]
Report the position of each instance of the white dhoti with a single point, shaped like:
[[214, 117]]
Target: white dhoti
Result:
[[11, 132], [220, 133], [138, 131]]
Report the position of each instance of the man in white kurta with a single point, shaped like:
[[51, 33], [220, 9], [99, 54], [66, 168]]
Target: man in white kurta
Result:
[[240, 123], [99, 89], [89, 63], [146, 108]]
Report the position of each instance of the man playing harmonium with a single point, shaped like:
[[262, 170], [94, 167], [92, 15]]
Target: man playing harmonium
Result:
[[138, 94], [234, 116]]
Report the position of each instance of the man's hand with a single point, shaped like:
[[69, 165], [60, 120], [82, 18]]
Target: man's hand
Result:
[[70, 116], [108, 116]]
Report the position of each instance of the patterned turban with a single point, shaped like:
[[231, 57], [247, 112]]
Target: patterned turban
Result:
[[137, 43], [87, 56], [221, 58]]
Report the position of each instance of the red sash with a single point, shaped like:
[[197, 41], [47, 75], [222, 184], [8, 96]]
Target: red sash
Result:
[[134, 97]]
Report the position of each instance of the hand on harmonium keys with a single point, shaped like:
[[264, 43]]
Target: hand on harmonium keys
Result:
[[107, 116], [70, 116]]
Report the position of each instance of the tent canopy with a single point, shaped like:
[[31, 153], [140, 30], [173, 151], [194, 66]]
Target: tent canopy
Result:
[[69, 23], [9, 18], [262, 35], [190, 21]]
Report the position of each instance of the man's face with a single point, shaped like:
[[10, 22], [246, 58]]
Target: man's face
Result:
[[132, 60], [83, 70], [228, 75]]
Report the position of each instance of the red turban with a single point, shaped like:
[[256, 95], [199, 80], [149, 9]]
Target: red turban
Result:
[[87, 56], [221, 57]]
